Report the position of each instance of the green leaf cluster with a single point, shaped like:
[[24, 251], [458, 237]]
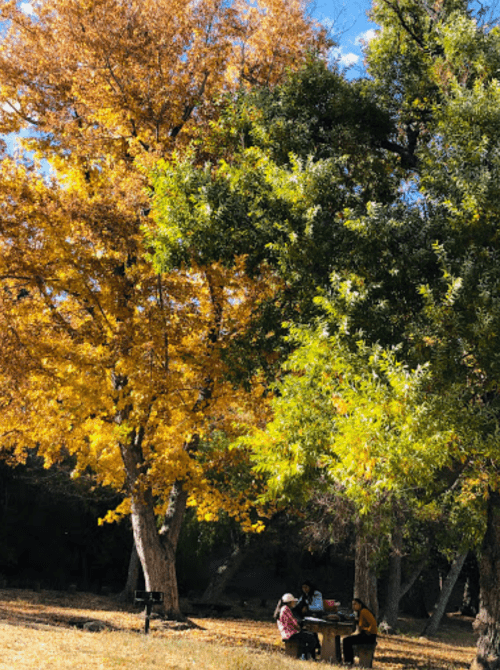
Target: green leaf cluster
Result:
[[362, 421]]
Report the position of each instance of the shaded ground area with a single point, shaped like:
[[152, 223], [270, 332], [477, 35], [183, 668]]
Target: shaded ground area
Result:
[[61, 609], [452, 649]]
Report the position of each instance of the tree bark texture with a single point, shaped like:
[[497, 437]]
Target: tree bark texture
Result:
[[134, 567], [365, 580], [391, 611], [156, 550], [432, 624], [226, 570], [488, 620], [158, 563], [172, 523]]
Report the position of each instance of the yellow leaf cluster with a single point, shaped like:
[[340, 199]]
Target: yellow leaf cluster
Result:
[[102, 358]]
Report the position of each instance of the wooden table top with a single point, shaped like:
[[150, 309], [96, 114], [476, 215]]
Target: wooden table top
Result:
[[334, 627]]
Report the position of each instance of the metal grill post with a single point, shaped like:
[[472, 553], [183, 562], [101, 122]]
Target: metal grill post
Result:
[[148, 598]]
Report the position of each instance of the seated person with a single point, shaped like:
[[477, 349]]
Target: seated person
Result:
[[310, 602], [289, 628], [366, 632]]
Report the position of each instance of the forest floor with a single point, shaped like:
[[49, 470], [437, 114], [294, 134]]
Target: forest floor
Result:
[[49, 630]]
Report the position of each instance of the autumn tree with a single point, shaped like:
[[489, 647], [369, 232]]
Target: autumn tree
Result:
[[103, 357]]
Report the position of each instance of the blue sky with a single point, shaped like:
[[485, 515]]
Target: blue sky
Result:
[[350, 26]]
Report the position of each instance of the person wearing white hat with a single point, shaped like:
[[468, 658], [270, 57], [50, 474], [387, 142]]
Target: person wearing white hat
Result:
[[289, 627]]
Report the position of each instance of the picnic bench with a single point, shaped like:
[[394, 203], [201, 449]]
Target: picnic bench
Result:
[[365, 653], [331, 631], [292, 648]]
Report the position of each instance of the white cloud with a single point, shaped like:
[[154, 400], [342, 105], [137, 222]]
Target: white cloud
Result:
[[27, 8], [348, 60], [365, 37], [344, 59]]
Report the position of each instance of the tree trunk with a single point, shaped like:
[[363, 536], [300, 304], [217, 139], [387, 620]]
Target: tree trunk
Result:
[[395, 589], [134, 567], [365, 580], [157, 559], [226, 570], [433, 622], [394, 584], [172, 523], [415, 574], [403, 590], [470, 600], [156, 549], [488, 619]]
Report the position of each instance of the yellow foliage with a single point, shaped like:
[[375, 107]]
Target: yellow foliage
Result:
[[102, 358]]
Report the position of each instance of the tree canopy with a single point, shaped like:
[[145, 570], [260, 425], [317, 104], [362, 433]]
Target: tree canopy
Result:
[[385, 204], [103, 357]]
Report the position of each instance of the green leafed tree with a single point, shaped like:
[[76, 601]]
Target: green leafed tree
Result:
[[313, 204], [359, 421], [292, 162], [390, 206], [456, 115]]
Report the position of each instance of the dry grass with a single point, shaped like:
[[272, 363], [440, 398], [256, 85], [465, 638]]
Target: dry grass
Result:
[[43, 631]]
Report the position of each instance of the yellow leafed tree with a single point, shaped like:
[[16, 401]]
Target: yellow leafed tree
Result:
[[102, 358]]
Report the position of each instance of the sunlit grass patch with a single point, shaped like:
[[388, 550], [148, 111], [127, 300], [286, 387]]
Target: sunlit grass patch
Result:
[[39, 632]]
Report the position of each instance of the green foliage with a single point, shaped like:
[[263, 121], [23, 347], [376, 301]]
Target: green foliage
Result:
[[304, 152], [361, 420], [374, 205], [283, 167]]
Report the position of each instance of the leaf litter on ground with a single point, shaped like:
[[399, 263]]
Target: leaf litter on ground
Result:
[[45, 631]]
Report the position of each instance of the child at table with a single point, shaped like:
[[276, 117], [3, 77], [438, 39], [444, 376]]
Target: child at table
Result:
[[290, 629]]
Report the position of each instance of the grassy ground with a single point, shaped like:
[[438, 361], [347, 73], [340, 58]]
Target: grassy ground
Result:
[[44, 631]]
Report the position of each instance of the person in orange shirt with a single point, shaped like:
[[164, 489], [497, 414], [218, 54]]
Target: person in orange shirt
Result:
[[366, 632]]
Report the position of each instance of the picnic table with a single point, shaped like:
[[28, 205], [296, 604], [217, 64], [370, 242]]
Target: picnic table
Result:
[[331, 631]]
